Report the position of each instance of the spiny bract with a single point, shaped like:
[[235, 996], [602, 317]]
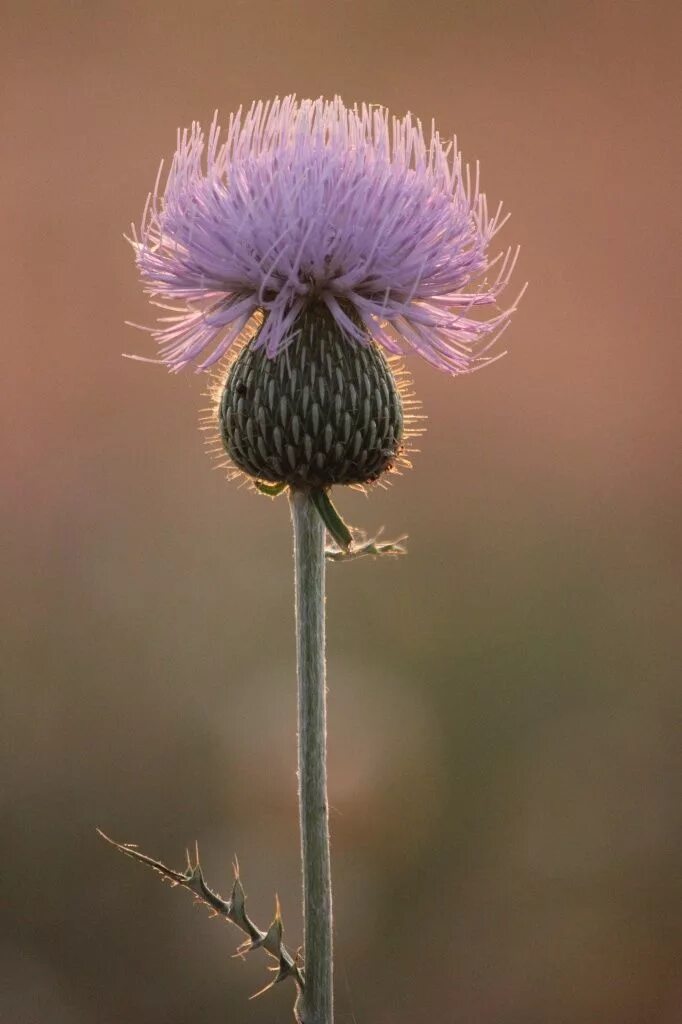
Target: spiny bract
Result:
[[321, 412]]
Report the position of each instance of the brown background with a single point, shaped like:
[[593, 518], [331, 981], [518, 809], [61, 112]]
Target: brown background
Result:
[[504, 777]]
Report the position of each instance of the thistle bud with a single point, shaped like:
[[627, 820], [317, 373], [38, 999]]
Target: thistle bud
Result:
[[325, 410]]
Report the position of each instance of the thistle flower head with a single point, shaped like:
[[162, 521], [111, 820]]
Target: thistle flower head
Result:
[[321, 412], [309, 203]]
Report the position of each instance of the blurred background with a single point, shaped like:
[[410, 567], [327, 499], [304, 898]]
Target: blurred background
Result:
[[504, 745]]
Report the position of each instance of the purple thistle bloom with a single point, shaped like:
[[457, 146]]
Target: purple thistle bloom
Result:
[[312, 202]]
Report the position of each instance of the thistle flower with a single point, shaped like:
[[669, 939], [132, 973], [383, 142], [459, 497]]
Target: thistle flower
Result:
[[309, 203], [312, 248]]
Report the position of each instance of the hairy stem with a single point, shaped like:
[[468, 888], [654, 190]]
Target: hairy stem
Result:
[[316, 1001]]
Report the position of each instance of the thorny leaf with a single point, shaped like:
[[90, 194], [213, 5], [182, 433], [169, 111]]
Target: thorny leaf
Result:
[[331, 518], [234, 910], [362, 546]]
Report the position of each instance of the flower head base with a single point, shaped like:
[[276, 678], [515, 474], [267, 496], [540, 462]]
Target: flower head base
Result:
[[321, 412], [311, 203]]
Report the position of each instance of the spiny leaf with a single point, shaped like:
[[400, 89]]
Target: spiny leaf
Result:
[[192, 879], [331, 518], [361, 547]]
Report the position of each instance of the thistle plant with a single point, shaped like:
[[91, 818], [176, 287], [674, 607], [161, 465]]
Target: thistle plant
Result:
[[298, 259]]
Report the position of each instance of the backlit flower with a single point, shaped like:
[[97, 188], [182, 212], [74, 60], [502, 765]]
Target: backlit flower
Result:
[[309, 203]]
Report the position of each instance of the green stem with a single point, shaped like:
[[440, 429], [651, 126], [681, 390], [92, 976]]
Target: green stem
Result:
[[316, 1001]]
